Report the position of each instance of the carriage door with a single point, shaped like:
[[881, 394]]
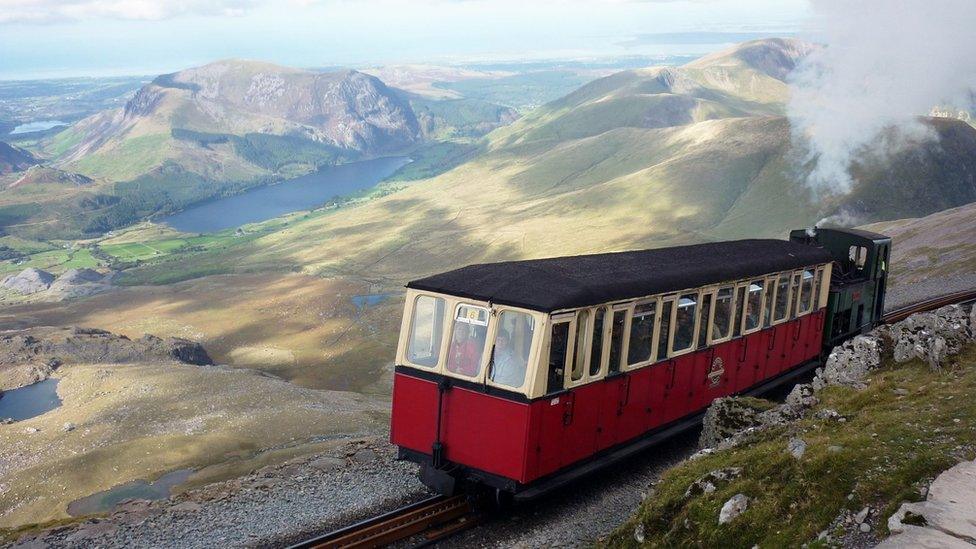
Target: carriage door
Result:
[[558, 406]]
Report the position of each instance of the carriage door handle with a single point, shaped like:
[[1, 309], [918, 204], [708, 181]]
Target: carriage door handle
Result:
[[745, 347], [624, 395], [568, 410]]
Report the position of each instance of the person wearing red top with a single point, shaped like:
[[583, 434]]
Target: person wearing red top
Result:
[[465, 355]]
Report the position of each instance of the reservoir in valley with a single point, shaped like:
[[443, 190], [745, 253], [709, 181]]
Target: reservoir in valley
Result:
[[301, 193]]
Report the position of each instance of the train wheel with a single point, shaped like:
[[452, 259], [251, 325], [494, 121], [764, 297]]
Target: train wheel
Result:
[[503, 499]]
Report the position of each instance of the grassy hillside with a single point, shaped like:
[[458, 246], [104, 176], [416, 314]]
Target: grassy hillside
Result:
[[910, 424]]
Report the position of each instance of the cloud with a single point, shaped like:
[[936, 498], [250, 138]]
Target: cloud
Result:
[[885, 63], [53, 11]]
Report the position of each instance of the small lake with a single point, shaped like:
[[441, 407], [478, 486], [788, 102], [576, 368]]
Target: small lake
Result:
[[38, 126], [301, 193], [137, 489], [365, 301], [30, 401]]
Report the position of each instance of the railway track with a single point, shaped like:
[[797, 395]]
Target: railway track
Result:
[[427, 520], [439, 517], [902, 313]]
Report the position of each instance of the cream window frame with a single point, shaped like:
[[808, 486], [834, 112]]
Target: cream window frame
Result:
[[799, 293], [745, 305], [655, 333], [711, 315], [612, 310], [789, 302], [587, 348], [541, 383], [532, 361], [694, 331], [485, 352]]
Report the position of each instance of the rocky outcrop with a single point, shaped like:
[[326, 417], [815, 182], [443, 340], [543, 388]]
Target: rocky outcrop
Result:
[[934, 337], [79, 283], [44, 175], [29, 281], [31, 355], [947, 517], [729, 416]]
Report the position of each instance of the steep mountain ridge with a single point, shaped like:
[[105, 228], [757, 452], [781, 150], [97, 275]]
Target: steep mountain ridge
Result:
[[347, 110], [14, 159], [746, 80]]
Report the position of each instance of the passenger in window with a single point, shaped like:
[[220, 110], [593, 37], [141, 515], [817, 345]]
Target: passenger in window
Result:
[[465, 355], [684, 334], [507, 369]]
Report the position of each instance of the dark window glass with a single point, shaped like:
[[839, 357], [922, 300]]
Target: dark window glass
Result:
[[806, 291], [768, 309], [579, 357], [703, 322], [795, 291], [616, 340], [754, 305], [723, 314], [558, 349], [817, 283], [641, 333], [684, 327], [596, 347], [662, 344], [782, 298], [740, 298]]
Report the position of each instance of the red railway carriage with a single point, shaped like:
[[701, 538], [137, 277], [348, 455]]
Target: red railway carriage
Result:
[[524, 375]]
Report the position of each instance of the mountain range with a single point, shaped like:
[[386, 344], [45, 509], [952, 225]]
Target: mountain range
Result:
[[641, 158]]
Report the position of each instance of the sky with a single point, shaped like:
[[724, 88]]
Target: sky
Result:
[[47, 38]]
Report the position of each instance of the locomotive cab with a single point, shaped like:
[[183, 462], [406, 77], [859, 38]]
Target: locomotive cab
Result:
[[859, 280]]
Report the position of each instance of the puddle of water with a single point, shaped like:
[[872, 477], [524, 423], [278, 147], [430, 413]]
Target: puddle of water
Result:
[[369, 300], [30, 401], [101, 502]]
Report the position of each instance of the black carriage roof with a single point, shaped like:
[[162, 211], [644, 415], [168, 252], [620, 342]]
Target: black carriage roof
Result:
[[579, 281]]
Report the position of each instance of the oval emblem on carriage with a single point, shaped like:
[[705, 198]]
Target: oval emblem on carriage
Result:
[[716, 371]]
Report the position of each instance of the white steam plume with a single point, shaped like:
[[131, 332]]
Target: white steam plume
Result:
[[884, 63]]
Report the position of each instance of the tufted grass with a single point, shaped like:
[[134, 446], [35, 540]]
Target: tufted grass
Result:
[[890, 446]]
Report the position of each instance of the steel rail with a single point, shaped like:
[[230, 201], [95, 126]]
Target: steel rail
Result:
[[902, 313], [436, 517]]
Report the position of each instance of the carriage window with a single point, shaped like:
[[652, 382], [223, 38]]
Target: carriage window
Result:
[[703, 320], [579, 357], [684, 325], [596, 346], [740, 299], [795, 292], [616, 340], [817, 283], [768, 308], [858, 256], [513, 341], [468, 340], [426, 330], [558, 350], [665, 333], [782, 298], [754, 305], [806, 292], [641, 333], [723, 314]]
